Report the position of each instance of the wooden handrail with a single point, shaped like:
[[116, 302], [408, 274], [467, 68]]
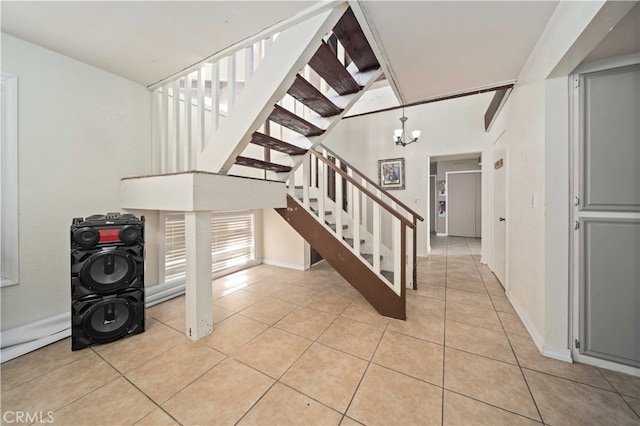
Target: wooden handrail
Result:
[[371, 195], [375, 185]]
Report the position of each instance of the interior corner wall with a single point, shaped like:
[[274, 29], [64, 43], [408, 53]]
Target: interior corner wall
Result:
[[81, 130], [448, 127], [281, 244]]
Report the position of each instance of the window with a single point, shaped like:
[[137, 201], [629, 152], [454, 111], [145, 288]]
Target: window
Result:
[[232, 240], [233, 243], [9, 182]]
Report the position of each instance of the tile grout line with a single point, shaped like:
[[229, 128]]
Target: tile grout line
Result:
[[444, 331], [139, 390]]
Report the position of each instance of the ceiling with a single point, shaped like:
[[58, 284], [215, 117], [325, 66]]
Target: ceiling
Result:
[[432, 48], [143, 41], [443, 47]]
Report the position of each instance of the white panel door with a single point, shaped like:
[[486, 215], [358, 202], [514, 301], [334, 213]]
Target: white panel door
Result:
[[607, 217]]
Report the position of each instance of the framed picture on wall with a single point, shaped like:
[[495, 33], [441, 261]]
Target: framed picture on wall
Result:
[[442, 209], [442, 188], [391, 173]]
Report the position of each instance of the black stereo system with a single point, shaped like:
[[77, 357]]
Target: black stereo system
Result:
[[107, 278]]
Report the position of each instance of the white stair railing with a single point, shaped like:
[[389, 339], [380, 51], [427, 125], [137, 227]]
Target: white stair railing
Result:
[[373, 229], [189, 108]]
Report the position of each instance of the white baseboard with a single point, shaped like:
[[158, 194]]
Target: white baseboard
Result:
[[561, 354], [24, 339], [283, 264], [535, 336]]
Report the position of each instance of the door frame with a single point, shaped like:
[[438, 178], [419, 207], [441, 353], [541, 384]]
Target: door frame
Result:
[[575, 139], [446, 197], [433, 210], [494, 213]]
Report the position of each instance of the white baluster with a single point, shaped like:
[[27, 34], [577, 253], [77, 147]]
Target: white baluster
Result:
[[248, 64], [376, 235], [175, 166], [201, 132], [355, 208], [231, 80], [338, 203], [364, 208], [165, 168], [397, 251], [215, 97], [189, 159], [306, 170], [156, 129], [322, 172], [292, 184], [409, 257]]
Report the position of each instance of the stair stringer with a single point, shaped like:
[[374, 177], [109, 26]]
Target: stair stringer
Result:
[[291, 51], [352, 269]]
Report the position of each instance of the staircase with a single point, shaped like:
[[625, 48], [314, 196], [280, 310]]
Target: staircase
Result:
[[365, 233], [239, 130]]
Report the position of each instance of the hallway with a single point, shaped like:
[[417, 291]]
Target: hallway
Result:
[[292, 347]]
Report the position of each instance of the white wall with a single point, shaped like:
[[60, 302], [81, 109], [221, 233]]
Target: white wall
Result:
[[281, 244], [537, 135], [449, 127], [81, 129]]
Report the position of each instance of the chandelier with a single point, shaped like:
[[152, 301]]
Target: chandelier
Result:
[[399, 134]]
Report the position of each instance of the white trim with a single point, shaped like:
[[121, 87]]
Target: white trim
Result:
[[9, 216], [537, 339], [24, 339], [609, 365], [295, 266], [561, 354]]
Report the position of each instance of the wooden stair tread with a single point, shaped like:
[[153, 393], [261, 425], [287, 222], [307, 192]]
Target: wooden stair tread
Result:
[[306, 93], [334, 227], [369, 257], [350, 34], [264, 165], [326, 213], [350, 241], [291, 121], [276, 144], [327, 65]]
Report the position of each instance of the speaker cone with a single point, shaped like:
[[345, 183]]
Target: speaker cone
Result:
[[107, 270], [108, 320], [130, 233], [86, 237]]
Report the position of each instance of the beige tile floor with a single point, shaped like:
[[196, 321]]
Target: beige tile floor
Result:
[[293, 347]]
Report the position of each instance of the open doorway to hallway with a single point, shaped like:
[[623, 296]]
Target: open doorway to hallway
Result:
[[457, 202]]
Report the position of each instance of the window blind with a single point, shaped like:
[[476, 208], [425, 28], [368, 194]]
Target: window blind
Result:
[[232, 242], [232, 239]]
